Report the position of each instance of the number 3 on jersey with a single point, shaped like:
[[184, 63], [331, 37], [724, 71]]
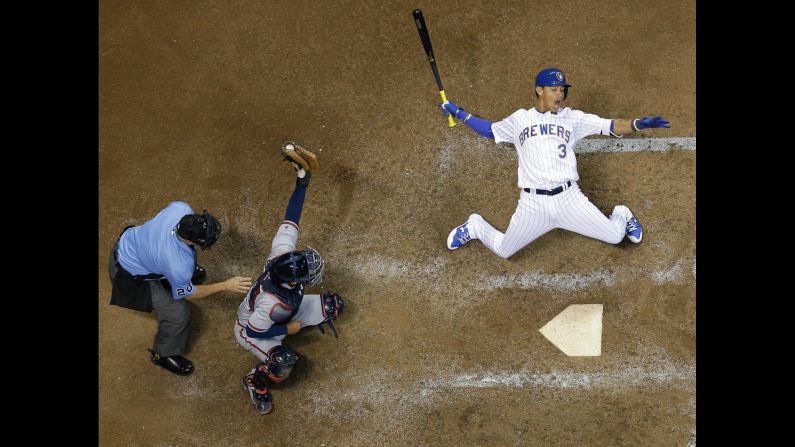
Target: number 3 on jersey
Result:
[[562, 148]]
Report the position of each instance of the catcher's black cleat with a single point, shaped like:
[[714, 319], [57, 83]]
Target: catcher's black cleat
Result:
[[260, 398], [177, 364]]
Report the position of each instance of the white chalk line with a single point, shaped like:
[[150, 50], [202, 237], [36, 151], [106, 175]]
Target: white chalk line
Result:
[[451, 147], [635, 145], [670, 374], [377, 387], [559, 282], [379, 268], [673, 274]]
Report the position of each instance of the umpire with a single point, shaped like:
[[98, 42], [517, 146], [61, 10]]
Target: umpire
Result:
[[153, 266]]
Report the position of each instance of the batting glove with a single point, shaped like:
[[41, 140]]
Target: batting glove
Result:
[[450, 108], [647, 123]]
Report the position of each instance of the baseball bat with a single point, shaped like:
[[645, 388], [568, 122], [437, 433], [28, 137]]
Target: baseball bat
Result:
[[419, 20]]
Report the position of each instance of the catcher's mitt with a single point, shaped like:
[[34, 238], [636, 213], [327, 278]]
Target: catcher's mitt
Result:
[[299, 157]]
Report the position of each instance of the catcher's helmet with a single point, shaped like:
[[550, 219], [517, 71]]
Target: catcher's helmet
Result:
[[281, 360], [201, 229], [552, 77], [304, 266]]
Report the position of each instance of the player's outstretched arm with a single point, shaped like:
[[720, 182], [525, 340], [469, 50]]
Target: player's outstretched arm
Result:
[[624, 127], [287, 235], [480, 125], [296, 203], [235, 284]]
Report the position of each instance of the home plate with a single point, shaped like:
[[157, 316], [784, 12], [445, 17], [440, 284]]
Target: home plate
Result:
[[577, 331]]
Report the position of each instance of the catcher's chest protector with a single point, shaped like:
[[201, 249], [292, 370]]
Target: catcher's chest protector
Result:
[[289, 299]]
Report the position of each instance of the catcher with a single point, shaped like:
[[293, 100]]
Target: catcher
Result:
[[276, 306]]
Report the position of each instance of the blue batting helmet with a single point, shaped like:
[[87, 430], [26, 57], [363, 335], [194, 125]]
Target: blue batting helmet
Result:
[[551, 77]]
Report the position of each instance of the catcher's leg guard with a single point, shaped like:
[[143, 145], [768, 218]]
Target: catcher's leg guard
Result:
[[332, 305]]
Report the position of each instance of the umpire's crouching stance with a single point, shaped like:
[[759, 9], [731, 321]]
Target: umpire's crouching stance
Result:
[[153, 266]]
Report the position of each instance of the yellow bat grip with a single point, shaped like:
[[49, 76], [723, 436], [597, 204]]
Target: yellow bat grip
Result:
[[449, 117]]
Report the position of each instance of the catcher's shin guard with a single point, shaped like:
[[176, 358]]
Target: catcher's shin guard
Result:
[[333, 305]]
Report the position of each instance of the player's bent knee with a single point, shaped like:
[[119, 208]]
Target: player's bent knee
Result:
[[281, 360], [332, 305], [506, 254], [616, 239]]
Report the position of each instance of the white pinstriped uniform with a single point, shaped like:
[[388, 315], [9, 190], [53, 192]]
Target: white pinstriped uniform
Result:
[[544, 143]]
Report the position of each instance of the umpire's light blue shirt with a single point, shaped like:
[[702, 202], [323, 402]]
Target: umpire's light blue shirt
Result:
[[155, 248]]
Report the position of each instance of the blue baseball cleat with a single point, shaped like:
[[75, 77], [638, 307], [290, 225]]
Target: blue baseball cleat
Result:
[[459, 236], [634, 230]]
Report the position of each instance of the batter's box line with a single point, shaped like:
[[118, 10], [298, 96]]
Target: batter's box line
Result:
[[588, 146]]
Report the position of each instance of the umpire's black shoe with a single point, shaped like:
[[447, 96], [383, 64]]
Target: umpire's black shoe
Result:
[[175, 363]]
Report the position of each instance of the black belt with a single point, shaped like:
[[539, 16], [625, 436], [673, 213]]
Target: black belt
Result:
[[548, 192]]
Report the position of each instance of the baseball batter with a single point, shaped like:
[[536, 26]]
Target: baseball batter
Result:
[[544, 137], [276, 305]]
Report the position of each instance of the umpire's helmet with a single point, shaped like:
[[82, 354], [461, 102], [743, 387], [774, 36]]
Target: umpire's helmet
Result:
[[281, 360], [552, 77], [304, 266], [201, 229]]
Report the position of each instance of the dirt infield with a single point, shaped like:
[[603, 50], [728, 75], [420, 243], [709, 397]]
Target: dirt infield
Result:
[[435, 347]]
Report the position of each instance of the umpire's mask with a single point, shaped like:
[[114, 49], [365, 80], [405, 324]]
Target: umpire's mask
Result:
[[201, 229]]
